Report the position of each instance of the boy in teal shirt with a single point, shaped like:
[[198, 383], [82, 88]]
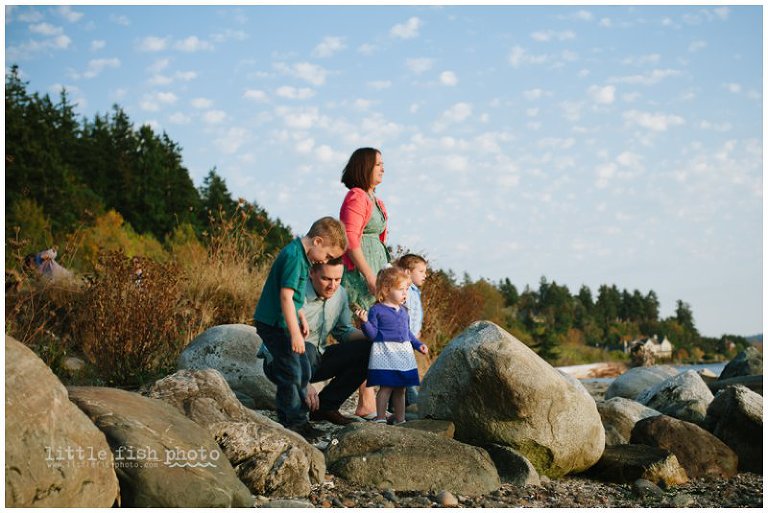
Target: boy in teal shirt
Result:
[[281, 322]]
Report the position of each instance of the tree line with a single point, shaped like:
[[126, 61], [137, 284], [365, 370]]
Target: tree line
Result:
[[62, 171]]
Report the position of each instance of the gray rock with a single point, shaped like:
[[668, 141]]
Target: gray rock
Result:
[[286, 503], [628, 463], [444, 428], [635, 380], [747, 363], [612, 436], [231, 349], [409, 459], [497, 390], [685, 397], [512, 466], [735, 416], [54, 456], [683, 500], [162, 459], [699, 452], [268, 458], [754, 383], [622, 414], [645, 488]]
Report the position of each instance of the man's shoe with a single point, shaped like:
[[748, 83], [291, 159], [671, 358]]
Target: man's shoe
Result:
[[306, 430], [333, 416]]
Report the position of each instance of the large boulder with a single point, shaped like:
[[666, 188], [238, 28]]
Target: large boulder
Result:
[[635, 380], [496, 390], [268, 458], [685, 397], [513, 467], [162, 458], [747, 363], [410, 460], [628, 463], [54, 456], [735, 416], [621, 414], [698, 451], [231, 349]]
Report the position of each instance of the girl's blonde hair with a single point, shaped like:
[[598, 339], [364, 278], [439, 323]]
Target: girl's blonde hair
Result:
[[389, 278]]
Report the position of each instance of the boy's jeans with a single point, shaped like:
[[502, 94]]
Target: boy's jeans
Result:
[[289, 371]]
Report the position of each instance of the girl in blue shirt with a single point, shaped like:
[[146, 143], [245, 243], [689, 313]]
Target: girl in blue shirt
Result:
[[392, 365]]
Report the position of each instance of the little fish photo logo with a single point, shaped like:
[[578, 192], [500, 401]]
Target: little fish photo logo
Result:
[[126, 456], [192, 458]]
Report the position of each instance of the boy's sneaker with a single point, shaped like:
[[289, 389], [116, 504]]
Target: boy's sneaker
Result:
[[306, 430]]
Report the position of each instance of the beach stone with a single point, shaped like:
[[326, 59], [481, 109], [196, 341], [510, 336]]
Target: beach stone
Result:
[[622, 414], [628, 463], [162, 459], [699, 452], [512, 466], [287, 503], [645, 488], [495, 389], [684, 396], [612, 436], [635, 380], [444, 428], [754, 383], [735, 416], [409, 460], [268, 458], [683, 500], [54, 456], [747, 363], [231, 349], [447, 500]]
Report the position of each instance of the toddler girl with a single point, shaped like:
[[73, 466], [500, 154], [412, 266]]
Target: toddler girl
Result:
[[392, 365]]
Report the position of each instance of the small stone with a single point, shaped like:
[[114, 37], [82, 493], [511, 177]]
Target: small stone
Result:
[[544, 480], [644, 488], [349, 502], [337, 503], [389, 494], [288, 503], [683, 500], [326, 504], [447, 499]]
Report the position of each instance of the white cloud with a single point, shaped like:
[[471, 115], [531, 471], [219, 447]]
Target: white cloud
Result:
[[166, 97], [306, 71], [695, 46], [255, 94], [604, 174], [159, 65], [458, 163], [68, 14], [456, 114], [193, 44], [572, 110], [229, 35], [324, 153], [519, 56], [179, 118], [629, 159], [533, 94], [552, 35], [716, 127], [120, 20], [30, 16], [294, 93], [232, 140], [407, 30], [305, 145], [298, 118], [46, 29], [641, 60], [380, 84], [186, 76], [602, 95], [419, 65], [159, 80], [556, 143], [448, 78], [583, 15], [329, 46], [96, 66], [658, 122], [362, 104], [214, 117], [651, 78], [153, 44], [733, 87], [367, 49], [201, 103], [98, 44]]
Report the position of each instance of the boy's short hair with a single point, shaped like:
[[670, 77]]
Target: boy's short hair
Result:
[[388, 278], [408, 262], [331, 230]]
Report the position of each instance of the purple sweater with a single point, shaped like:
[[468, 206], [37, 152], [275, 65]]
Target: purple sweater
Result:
[[385, 324]]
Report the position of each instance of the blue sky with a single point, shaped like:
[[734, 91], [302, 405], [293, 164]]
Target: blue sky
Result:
[[588, 144]]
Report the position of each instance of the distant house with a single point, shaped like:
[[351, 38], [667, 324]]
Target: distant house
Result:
[[661, 349]]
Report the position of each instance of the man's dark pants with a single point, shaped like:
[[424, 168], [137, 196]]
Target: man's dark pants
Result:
[[346, 363]]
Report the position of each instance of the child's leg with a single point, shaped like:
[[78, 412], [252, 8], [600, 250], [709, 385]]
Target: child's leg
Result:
[[398, 403], [382, 400], [366, 400]]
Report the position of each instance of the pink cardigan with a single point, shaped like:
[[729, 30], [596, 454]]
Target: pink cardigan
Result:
[[356, 210]]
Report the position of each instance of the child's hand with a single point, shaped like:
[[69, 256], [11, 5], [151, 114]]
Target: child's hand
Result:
[[303, 324], [297, 345], [362, 314], [423, 349]]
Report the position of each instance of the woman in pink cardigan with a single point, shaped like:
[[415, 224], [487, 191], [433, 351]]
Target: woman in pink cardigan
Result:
[[365, 219]]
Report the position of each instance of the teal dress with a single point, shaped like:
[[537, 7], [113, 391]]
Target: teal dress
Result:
[[375, 253]]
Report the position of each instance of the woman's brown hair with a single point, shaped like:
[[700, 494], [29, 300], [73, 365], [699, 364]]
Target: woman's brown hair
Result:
[[358, 171]]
